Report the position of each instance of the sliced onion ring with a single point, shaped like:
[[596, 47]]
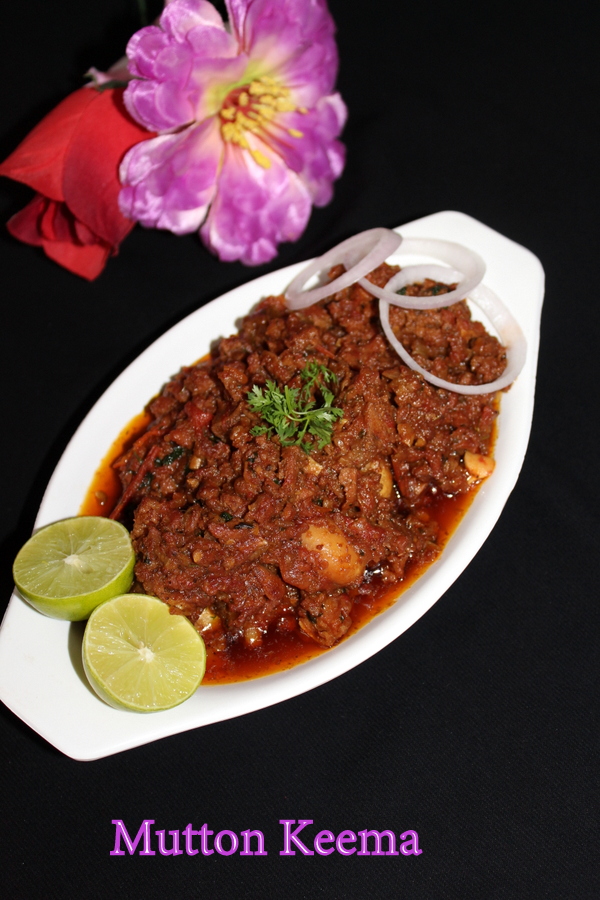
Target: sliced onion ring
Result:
[[468, 269], [507, 327], [359, 254]]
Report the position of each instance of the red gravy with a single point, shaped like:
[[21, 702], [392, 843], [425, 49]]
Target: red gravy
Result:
[[279, 651]]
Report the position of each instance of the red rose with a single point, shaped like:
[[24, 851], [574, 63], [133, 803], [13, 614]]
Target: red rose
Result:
[[72, 160]]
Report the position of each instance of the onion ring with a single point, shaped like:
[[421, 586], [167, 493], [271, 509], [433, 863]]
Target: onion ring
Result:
[[359, 254], [468, 266], [508, 329], [365, 251]]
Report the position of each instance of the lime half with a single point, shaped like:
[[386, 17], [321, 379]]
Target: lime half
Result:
[[66, 569], [139, 656]]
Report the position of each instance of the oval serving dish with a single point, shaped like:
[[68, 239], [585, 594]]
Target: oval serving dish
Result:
[[41, 677]]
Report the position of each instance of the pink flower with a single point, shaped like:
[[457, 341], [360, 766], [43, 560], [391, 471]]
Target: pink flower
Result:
[[247, 123]]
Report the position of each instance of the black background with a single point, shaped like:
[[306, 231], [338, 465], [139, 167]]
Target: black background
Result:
[[479, 726]]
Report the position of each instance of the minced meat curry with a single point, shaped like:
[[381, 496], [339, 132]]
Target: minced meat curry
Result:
[[249, 535]]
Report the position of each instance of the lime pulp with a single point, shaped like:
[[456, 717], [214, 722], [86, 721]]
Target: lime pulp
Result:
[[69, 567], [138, 656]]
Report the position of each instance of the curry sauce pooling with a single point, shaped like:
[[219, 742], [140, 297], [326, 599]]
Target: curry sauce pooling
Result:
[[276, 550]]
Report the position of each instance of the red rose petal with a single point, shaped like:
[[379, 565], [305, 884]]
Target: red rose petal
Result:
[[39, 159], [72, 159], [91, 174], [87, 261], [43, 222], [25, 225]]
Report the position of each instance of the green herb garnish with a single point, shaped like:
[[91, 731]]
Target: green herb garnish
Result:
[[170, 457], [293, 413], [147, 480]]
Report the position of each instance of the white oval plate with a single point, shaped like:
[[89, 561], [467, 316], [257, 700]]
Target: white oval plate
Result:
[[41, 677]]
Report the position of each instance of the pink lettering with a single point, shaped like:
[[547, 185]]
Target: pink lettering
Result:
[[324, 837], [342, 839], [121, 832], [290, 836], [260, 838], [410, 845]]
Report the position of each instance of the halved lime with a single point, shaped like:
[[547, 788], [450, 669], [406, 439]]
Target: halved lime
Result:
[[139, 656], [66, 569]]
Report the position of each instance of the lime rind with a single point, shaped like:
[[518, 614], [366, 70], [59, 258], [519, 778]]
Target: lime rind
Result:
[[138, 656], [67, 568]]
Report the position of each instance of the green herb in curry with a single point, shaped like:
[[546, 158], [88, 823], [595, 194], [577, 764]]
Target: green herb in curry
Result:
[[170, 457], [293, 413]]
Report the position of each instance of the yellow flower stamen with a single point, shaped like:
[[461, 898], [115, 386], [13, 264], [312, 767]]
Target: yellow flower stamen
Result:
[[262, 160], [251, 109]]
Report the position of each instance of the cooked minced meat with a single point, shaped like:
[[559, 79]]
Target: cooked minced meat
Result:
[[243, 534]]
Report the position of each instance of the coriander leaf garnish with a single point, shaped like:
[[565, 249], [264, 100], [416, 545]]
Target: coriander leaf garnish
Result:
[[311, 373], [293, 413]]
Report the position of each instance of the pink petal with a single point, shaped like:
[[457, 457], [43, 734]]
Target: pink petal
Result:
[[169, 181], [178, 19], [197, 24], [310, 73], [236, 10], [294, 41], [143, 48], [316, 156], [255, 208], [158, 106]]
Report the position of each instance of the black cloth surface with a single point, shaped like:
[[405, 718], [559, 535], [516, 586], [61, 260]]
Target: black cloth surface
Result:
[[477, 728]]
